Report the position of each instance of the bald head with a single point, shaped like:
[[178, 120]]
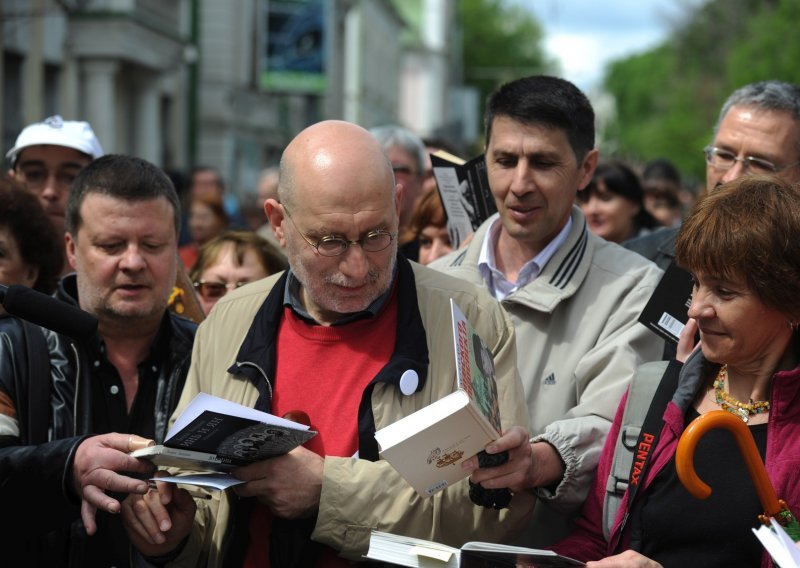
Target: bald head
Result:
[[328, 151], [337, 187]]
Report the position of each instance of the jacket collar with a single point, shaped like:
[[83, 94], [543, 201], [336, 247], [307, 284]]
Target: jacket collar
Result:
[[182, 330], [562, 275], [256, 357], [67, 290]]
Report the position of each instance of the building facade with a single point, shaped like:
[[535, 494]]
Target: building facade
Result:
[[226, 83]]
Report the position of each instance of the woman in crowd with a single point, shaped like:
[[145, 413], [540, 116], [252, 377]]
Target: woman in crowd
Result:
[[662, 187], [428, 228], [613, 203], [742, 245], [232, 260], [207, 219], [31, 252]]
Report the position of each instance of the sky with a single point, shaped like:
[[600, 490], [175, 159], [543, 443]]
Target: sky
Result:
[[584, 35]]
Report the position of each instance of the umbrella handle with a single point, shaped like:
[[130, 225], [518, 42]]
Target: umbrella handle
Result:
[[684, 458]]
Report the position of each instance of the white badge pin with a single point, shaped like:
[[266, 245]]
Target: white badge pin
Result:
[[409, 382]]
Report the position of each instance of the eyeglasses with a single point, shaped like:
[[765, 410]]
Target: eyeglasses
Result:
[[724, 160], [374, 241], [215, 290], [36, 177]]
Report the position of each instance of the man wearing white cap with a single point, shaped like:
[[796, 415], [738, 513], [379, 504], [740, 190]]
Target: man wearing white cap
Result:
[[46, 158]]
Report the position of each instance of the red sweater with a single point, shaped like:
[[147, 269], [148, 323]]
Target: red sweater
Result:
[[323, 370]]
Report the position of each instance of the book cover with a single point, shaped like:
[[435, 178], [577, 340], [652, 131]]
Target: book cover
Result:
[[428, 446], [216, 434], [464, 189], [666, 311], [418, 553]]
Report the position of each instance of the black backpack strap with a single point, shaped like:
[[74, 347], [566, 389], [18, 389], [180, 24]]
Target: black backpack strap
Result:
[[648, 437], [640, 397]]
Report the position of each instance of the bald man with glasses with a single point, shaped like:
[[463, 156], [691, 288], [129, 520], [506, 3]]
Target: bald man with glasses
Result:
[[356, 337], [758, 132]]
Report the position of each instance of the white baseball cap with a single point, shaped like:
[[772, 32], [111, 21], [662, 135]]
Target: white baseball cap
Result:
[[55, 131]]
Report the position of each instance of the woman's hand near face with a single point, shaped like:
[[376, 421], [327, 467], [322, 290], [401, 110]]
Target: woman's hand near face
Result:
[[686, 344]]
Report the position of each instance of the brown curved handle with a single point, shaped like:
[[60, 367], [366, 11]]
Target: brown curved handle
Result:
[[684, 457]]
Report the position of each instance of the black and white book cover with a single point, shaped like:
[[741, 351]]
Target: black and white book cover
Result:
[[667, 310], [464, 189], [217, 434]]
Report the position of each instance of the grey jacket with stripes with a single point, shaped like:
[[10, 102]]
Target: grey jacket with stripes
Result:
[[578, 344]]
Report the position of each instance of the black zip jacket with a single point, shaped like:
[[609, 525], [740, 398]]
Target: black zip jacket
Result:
[[47, 378]]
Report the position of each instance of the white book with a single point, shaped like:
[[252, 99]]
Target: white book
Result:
[[418, 553], [427, 447], [781, 547]]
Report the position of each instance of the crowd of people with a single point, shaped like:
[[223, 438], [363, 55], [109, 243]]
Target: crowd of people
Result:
[[329, 293]]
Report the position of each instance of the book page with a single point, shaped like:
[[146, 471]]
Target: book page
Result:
[[781, 547], [408, 551], [484, 555], [211, 481]]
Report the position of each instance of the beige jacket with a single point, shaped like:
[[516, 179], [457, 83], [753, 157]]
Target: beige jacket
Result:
[[579, 342], [360, 495]]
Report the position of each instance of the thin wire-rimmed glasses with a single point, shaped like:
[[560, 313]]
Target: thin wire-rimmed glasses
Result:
[[721, 159], [330, 245]]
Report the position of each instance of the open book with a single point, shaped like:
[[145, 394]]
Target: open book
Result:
[[214, 434], [464, 189], [428, 446], [414, 552]]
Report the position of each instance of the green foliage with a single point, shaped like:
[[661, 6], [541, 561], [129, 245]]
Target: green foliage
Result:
[[771, 50], [502, 41], [668, 98]]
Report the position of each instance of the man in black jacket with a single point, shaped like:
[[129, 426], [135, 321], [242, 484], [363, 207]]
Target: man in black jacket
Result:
[[63, 457]]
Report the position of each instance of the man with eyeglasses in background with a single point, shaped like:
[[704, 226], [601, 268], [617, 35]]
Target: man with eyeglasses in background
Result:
[[354, 336], [47, 157], [758, 132]]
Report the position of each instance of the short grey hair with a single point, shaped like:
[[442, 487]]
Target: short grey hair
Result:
[[766, 96], [391, 135]]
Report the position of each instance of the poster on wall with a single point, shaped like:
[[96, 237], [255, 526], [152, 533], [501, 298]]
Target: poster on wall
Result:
[[293, 57]]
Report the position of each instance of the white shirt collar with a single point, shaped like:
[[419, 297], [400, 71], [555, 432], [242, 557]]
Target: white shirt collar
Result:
[[498, 285]]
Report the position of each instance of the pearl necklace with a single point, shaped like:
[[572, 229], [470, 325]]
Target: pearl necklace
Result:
[[740, 409]]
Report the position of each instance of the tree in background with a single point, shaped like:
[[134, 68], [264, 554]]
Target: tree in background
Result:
[[502, 41], [668, 98], [771, 50]]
